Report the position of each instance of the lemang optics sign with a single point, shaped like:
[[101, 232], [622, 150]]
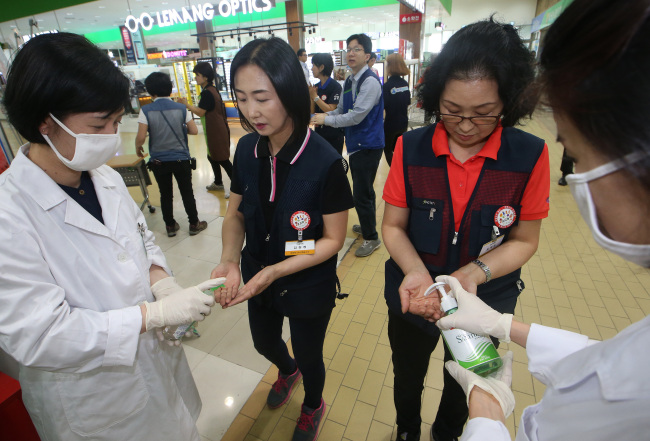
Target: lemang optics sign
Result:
[[205, 11]]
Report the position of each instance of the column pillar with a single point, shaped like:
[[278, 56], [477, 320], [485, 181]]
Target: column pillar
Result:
[[206, 43], [294, 12], [413, 32]]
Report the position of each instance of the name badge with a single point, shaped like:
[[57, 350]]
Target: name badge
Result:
[[491, 245], [297, 247]]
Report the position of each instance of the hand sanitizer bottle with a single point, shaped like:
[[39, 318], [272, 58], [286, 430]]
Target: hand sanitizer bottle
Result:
[[178, 332], [472, 351]]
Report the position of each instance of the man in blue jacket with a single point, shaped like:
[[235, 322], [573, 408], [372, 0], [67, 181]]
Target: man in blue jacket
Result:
[[360, 112]]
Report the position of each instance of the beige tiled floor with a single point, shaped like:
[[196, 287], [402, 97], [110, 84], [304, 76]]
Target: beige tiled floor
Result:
[[570, 283]]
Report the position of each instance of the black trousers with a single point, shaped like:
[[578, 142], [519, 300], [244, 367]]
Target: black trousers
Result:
[[307, 338], [182, 172], [566, 166], [216, 169], [391, 140], [412, 349], [363, 167]]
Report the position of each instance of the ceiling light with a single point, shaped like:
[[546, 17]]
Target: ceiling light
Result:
[[69, 13], [102, 7]]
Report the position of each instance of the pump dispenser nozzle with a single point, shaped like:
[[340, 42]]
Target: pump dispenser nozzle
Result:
[[447, 302]]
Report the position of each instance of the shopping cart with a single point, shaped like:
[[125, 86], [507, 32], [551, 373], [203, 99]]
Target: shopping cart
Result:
[[134, 172]]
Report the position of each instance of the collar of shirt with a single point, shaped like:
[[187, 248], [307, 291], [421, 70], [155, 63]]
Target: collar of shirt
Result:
[[289, 153], [322, 85], [489, 150], [163, 98]]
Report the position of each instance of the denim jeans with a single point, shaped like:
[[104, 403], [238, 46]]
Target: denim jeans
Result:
[[182, 171], [363, 166]]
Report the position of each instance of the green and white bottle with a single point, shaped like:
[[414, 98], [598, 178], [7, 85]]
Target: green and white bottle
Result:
[[472, 351]]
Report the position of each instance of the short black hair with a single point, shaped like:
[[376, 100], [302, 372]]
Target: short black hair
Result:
[[276, 59], [206, 70], [61, 74], [373, 56], [159, 84], [363, 40], [485, 49], [301, 51], [324, 60]]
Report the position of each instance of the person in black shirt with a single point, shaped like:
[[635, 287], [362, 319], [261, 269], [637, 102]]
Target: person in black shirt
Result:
[[397, 98], [325, 97], [289, 201]]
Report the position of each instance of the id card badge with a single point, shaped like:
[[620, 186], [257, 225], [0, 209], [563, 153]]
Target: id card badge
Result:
[[296, 247], [300, 220], [491, 245]]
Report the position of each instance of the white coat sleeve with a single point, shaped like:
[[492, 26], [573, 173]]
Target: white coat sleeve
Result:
[[546, 346], [485, 429], [38, 327]]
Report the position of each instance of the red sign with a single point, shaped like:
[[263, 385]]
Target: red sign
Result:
[[415, 17]]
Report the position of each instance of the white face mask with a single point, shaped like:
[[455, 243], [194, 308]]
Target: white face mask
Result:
[[579, 184], [91, 151]]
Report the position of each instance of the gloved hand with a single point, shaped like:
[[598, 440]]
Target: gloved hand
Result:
[[473, 315], [497, 383], [181, 307], [165, 287]]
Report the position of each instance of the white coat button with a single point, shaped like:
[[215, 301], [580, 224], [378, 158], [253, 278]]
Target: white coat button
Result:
[[283, 293], [122, 257]]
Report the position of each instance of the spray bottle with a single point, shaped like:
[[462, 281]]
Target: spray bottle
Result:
[[472, 351], [178, 332]]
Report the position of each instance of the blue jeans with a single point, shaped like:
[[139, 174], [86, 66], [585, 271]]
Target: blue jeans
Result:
[[363, 166]]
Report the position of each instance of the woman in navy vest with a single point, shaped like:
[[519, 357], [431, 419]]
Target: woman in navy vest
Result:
[[465, 196], [290, 200]]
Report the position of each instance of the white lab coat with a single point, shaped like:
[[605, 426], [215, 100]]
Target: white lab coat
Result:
[[596, 391], [69, 315]]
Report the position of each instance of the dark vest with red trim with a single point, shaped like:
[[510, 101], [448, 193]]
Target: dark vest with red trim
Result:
[[310, 292], [502, 182]]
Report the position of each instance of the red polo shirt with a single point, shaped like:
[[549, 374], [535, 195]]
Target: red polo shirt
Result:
[[463, 176]]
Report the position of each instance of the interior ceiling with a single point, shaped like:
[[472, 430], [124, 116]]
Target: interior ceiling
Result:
[[105, 14]]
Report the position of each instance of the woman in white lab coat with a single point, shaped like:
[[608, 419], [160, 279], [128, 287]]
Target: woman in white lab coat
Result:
[[595, 63], [77, 262]]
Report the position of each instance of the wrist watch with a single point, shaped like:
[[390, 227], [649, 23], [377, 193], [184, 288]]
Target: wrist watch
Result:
[[485, 268], [316, 98]]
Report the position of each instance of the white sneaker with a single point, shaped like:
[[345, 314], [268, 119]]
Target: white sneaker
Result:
[[227, 193]]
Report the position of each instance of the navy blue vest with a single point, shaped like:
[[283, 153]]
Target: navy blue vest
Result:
[[164, 140], [431, 220], [369, 133], [310, 292]]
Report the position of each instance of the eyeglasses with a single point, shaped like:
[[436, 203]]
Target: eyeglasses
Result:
[[356, 50], [477, 120]]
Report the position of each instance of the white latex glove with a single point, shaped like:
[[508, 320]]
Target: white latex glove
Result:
[[165, 287], [497, 383], [473, 315], [182, 307]]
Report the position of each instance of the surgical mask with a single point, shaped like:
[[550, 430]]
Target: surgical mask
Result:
[[91, 151], [579, 184]]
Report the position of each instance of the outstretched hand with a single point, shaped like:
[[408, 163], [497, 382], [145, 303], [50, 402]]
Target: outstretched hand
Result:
[[256, 285], [232, 274], [411, 293]]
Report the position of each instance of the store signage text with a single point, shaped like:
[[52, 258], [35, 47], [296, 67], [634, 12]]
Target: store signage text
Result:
[[416, 17], [205, 11], [416, 5], [168, 54]]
